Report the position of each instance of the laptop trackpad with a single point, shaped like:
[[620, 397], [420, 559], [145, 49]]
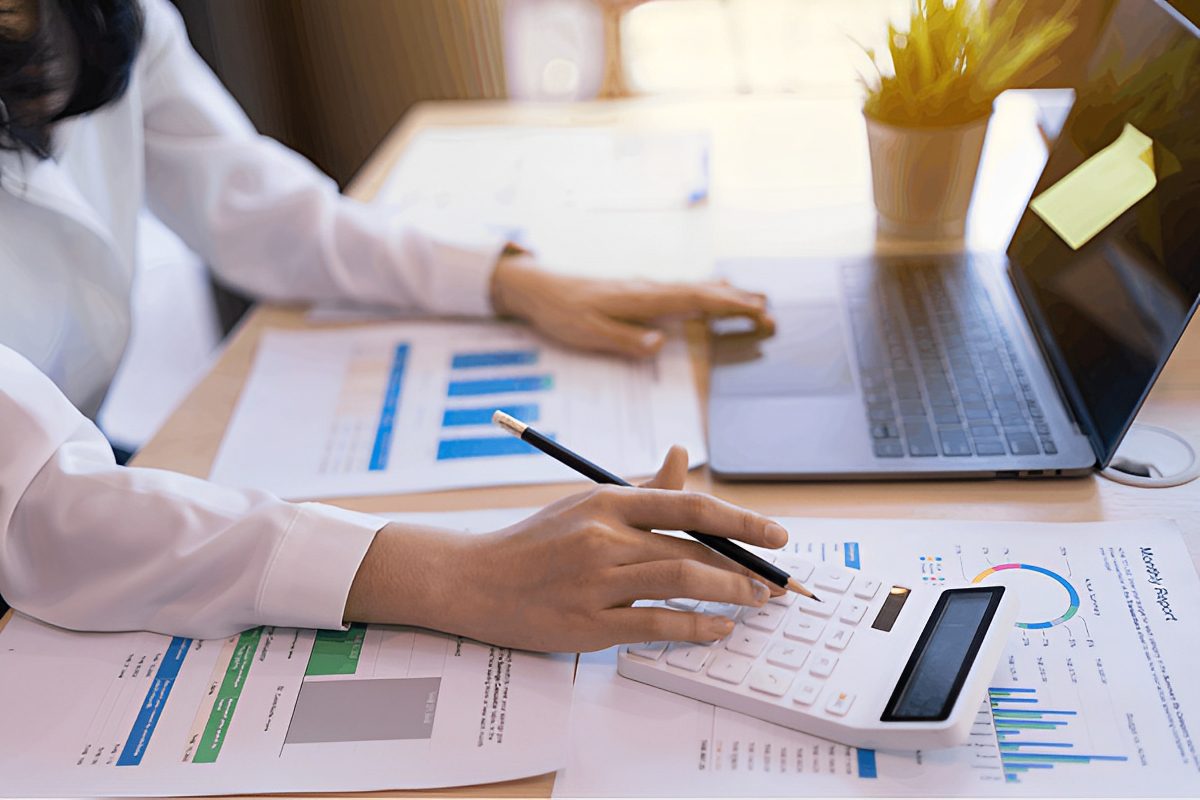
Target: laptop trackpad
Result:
[[806, 356]]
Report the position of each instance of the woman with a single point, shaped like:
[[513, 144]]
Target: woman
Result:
[[105, 107]]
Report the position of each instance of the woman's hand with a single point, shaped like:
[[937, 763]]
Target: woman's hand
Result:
[[565, 578], [612, 316]]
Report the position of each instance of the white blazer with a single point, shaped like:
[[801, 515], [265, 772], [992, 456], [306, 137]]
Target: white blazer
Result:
[[84, 543]]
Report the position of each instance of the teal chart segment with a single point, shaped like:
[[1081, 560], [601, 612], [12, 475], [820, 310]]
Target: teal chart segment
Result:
[[1072, 595]]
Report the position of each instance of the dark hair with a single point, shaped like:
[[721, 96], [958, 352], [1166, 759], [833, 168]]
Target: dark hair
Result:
[[106, 35]]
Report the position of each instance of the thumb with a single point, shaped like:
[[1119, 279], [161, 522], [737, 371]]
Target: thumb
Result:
[[673, 471]]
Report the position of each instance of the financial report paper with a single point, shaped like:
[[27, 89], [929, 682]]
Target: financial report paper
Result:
[[1096, 695], [271, 710], [407, 407]]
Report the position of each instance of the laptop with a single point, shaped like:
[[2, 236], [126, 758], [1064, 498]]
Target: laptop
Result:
[[1029, 363]]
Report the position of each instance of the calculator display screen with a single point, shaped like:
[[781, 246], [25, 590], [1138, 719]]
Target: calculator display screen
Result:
[[943, 655]]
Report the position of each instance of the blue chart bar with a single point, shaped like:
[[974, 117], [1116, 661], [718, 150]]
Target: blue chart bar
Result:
[[1016, 713], [482, 447], [499, 358], [866, 764], [152, 706], [520, 383], [483, 416], [387, 416], [851, 555]]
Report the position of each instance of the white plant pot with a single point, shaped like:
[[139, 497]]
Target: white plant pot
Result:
[[923, 177]]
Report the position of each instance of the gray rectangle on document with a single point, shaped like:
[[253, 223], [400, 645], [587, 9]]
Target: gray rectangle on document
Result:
[[378, 709]]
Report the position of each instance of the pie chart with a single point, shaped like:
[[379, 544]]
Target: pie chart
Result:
[[1072, 598]]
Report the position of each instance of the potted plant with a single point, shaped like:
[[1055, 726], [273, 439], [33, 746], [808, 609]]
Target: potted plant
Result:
[[929, 100]]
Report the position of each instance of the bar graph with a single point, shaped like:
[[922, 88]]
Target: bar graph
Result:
[[481, 382], [502, 385], [1031, 737]]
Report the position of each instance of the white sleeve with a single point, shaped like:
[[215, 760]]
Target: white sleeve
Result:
[[89, 545], [265, 219]]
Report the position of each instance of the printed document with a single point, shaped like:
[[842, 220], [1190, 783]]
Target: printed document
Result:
[[1094, 696], [274, 710], [407, 407]]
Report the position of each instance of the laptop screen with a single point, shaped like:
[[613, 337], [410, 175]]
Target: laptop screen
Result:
[[1107, 254]]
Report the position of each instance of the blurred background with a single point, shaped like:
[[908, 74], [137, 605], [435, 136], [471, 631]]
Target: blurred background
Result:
[[331, 78]]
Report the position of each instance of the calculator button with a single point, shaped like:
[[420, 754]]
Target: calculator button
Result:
[[786, 599], [650, 650], [747, 642], [730, 668], [797, 568], [730, 610], [803, 629], [866, 588], [684, 603], [787, 655], [818, 608], [839, 703], [806, 693], [839, 638], [770, 681], [766, 618], [834, 580], [691, 657], [822, 666], [852, 611]]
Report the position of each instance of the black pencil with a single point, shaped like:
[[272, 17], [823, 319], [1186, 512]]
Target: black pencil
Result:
[[731, 550]]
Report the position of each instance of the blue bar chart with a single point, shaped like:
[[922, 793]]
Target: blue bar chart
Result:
[[1031, 737], [387, 415], [481, 382]]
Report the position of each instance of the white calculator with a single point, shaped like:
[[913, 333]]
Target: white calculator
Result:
[[880, 664]]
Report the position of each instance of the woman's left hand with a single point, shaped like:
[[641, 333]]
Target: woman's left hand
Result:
[[613, 316]]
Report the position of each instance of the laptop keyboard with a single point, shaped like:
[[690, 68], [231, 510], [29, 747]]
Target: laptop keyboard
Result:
[[940, 375]]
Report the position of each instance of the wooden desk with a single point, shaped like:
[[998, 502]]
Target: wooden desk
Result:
[[789, 177]]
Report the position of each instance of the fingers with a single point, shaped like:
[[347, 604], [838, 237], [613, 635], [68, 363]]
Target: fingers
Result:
[[672, 510], [594, 331], [662, 580], [647, 300], [673, 472], [663, 625]]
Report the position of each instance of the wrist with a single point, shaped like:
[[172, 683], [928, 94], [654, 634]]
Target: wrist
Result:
[[513, 268], [407, 577]]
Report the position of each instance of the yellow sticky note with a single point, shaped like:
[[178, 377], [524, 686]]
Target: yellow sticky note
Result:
[[1100, 189]]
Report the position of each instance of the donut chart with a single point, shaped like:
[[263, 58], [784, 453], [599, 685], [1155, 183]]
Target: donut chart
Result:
[[1072, 595]]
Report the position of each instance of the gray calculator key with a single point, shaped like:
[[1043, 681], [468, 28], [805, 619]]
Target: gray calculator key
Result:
[[650, 650], [834, 580], [806, 693], [770, 680], [804, 628], [747, 642], [730, 668], [818, 608], [853, 611], [798, 568], [691, 657], [839, 703], [767, 618], [788, 655], [822, 665]]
